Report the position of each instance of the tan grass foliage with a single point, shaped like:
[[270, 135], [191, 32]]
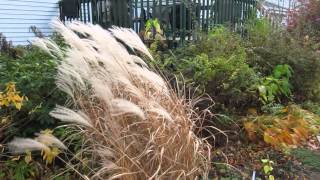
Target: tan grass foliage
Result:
[[137, 126]]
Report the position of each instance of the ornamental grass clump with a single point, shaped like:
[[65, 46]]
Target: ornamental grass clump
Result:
[[137, 127]]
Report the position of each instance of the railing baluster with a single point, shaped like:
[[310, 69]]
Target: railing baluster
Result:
[[100, 21], [232, 13], [174, 23], [94, 11], [88, 8], [207, 16], [185, 17], [211, 15], [141, 16], [136, 23], [84, 11], [131, 14], [190, 8], [181, 20], [160, 6], [80, 9], [148, 10]]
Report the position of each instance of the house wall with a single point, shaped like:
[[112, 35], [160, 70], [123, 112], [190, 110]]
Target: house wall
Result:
[[16, 17]]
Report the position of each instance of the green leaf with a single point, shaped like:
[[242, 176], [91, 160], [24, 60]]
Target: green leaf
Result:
[[266, 169], [271, 177]]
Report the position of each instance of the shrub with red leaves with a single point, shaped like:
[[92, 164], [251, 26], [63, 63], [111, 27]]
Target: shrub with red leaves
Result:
[[305, 19]]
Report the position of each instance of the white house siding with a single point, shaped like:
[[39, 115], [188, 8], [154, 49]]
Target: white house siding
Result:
[[16, 17]]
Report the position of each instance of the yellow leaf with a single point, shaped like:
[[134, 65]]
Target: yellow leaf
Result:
[[269, 139], [15, 158], [285, 110], [5, 102], [50, 155], [18, 105], [4, 120], [250, 129], [16, 97], [47, 132], [285, 137], [271, 177], [252, 111], [28, 157], [301, 132]]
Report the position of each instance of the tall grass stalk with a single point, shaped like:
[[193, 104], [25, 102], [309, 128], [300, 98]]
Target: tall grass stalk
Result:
[[138, 128]]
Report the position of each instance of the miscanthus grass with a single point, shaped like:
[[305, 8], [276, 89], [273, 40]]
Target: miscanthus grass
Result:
[[136, 126]]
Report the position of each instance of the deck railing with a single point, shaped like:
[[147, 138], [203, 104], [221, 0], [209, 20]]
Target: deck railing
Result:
[[179, 18]]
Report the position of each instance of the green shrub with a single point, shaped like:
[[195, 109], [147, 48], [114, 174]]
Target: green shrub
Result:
[[258, 31], [267, 48], [216, 65], [33, 74], [277, 85]]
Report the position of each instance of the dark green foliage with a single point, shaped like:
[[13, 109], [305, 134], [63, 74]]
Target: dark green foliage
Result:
[[19, 170], [266, 66], [33, 74], [308, 158], [267, 48], [312, 106]]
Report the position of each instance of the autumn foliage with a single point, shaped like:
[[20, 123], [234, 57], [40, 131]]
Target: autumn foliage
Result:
[[305, 19], [290, 128]]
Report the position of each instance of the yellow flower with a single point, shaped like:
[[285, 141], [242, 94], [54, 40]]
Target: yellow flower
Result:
[[50, 155]]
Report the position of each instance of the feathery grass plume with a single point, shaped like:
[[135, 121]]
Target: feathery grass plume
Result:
[[68, 115], [50, 140], [137, 126], [131, 39], [21, 145]]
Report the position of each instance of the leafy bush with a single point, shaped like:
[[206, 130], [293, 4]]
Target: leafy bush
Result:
[[258, 31], [268, 48], [33, 74], [305, 20], [217, 65], [276, 85]]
